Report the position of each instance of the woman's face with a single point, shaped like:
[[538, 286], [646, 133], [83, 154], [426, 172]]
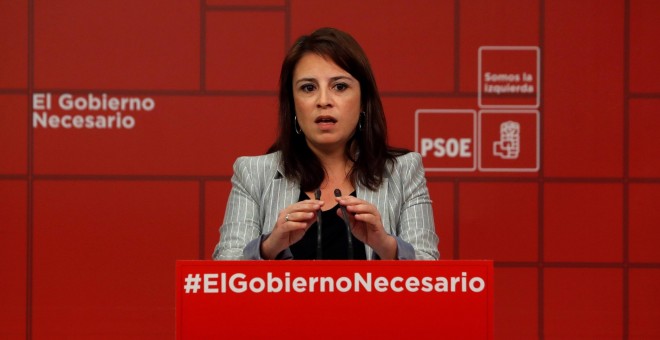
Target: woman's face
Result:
[[327, 102]]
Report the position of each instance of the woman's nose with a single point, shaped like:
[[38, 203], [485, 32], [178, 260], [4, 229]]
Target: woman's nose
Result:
[[325, 99]]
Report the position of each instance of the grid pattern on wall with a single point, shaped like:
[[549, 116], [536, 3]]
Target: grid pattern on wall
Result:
[[574, 244]]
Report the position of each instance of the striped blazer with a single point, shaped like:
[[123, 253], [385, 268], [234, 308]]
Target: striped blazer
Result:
[[260, 191]]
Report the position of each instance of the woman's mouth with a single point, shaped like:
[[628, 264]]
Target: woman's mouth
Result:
[[325, 120]]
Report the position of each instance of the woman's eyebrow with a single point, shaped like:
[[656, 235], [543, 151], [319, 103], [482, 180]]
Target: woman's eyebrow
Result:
[[311, 79], [342, 77], [306, 79]]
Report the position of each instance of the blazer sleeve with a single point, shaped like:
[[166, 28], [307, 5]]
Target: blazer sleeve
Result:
[[416, 224], [241, 222]]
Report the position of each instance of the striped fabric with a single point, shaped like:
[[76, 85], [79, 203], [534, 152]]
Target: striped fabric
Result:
[[260, 191]]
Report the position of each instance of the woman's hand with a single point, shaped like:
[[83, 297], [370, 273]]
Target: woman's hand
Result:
[[367, 226], [291, 225]]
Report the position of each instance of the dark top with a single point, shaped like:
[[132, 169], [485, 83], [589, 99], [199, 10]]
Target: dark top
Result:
[[333, 238]]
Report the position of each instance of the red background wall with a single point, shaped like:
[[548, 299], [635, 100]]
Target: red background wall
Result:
[[92, 221]]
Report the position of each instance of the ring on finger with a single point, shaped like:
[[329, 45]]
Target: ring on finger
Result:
[[286, 218]]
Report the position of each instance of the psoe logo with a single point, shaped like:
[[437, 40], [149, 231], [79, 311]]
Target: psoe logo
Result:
[[509, 141], [446, 139], [508, 146], [450, 147]]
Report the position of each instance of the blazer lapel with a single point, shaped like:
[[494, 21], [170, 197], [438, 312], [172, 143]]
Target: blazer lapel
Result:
[[380, 200], [280, 194]]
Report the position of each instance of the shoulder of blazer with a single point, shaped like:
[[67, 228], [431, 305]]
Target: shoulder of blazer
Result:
[[404, 164], [265, 166]]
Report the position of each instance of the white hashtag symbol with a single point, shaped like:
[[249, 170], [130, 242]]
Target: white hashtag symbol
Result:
[[192, 283]]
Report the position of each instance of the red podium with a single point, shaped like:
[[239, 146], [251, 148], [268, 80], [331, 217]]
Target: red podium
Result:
[[334, 299]]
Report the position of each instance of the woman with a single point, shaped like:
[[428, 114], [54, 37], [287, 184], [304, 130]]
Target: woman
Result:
[[332, 135]]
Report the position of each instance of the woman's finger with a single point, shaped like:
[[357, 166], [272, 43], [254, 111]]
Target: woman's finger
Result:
[[298, 216], [294, 226], [369, 219], [304, 206], [362, 208]]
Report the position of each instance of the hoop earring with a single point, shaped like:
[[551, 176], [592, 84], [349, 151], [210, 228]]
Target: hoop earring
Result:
[[296, 127]]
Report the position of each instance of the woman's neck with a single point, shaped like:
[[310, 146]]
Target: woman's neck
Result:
[[334, 161], [337, 168]]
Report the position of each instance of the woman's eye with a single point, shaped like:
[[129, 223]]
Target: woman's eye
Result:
[[307, 88], [341, 87]]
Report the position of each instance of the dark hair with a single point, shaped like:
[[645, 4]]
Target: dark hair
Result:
[[368, 148]]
